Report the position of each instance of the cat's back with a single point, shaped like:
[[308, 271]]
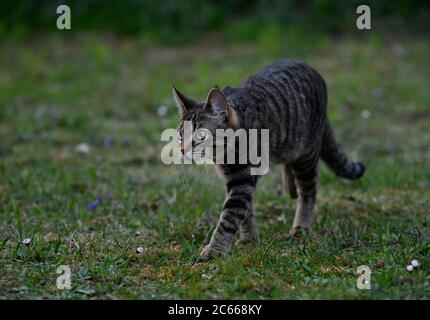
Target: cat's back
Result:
[[284, 84], [281, 65], [285, 72], [288, 97]]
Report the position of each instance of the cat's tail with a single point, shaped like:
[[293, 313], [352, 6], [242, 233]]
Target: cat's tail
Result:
[[336, 159]]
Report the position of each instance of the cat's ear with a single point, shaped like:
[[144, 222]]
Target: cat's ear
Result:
[[184, 104], [216, 103]]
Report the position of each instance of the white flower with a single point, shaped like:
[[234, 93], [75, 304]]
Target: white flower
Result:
[[415, 263], [409, 268], [83, 148], [365, 114], [282, 218], [206, 276], [162, 110], [26, 241], [139, 250]]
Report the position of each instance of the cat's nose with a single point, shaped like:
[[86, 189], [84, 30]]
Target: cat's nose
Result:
[[182, 148]]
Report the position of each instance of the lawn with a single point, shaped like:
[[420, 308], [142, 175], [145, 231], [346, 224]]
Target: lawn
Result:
[[114, 94]]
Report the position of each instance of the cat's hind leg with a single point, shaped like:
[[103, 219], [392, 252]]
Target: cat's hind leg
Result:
[[305, 172], [289, 181]]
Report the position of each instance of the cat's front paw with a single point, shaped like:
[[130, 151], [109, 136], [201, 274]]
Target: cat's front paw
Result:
[[209, 252]]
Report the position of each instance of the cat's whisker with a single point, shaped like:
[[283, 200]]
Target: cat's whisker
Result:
[[210, 170], [184, 179], [205, 167]]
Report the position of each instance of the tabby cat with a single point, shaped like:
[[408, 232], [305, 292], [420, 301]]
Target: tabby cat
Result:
[[290, 99]]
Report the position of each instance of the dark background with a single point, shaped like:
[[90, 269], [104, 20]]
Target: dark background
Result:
[[169, 19]]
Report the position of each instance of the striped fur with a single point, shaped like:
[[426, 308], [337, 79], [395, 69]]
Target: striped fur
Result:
[[290, 99]]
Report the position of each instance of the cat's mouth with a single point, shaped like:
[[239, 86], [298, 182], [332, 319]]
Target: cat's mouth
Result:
[[195, 155], [201, 155]]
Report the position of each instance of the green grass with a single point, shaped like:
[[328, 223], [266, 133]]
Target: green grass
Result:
[[58, 92]]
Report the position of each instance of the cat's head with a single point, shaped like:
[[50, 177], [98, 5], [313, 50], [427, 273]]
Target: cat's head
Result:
[[205, 117]]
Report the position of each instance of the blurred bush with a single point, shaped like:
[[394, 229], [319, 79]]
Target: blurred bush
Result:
[[174, 19]]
